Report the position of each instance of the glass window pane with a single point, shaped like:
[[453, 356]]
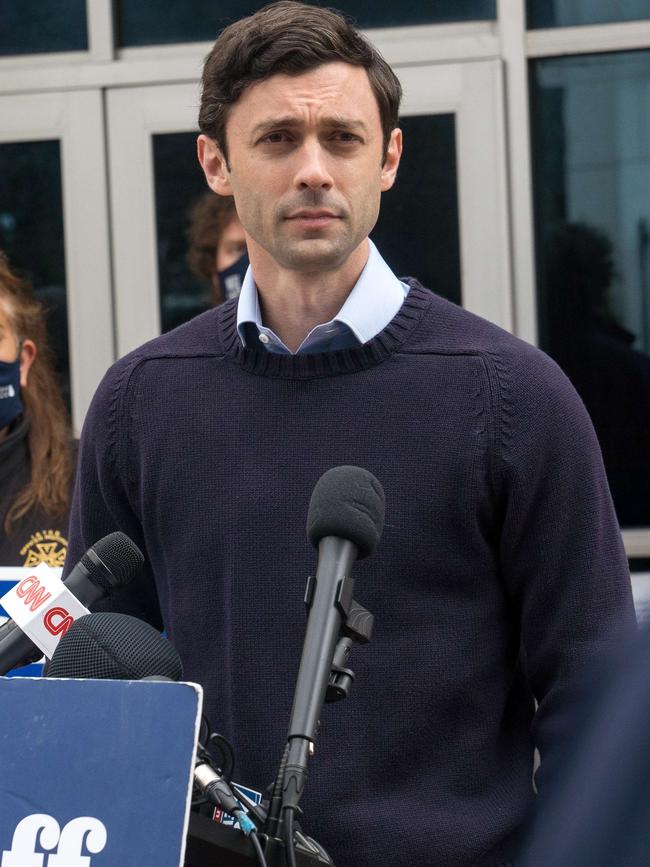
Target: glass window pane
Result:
[[156, 22], [31, 233], [417, 232], [38, 26], [420, 241], [570, 13], [179, 183], [591, 142]]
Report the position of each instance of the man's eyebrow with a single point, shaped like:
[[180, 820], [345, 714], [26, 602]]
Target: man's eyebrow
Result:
[[341, 122], [332, 122]]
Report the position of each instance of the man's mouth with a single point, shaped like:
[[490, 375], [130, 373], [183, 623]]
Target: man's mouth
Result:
[[312, 218]]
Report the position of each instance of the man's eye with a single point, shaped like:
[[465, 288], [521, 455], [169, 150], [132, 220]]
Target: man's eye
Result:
[[274, 137], [346, 137]]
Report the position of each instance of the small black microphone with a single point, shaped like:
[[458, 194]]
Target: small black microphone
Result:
[[345, 522], [109, 564], [105, 645]]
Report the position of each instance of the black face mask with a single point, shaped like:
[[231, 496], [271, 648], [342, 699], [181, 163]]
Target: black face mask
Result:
[[231, 278], [10, 403]]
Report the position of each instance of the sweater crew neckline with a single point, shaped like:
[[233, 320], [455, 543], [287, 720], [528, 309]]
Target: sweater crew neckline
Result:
[[309, 366]]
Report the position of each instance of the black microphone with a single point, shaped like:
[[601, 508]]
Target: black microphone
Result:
[[106, 645], [345, 522], [111, 563]]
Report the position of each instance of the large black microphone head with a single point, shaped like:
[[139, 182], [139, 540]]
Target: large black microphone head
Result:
[[106, 645], [113, 561], [347, 502]]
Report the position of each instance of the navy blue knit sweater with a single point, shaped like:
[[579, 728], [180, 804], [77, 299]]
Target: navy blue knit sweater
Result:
[[500, 537]]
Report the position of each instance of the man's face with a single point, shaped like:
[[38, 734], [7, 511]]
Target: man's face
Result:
[[305, 166]]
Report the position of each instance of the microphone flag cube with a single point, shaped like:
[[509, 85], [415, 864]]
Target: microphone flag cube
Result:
[[43, 607]]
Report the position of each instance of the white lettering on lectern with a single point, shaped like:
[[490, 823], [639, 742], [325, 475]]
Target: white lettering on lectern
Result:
[[66, 845]]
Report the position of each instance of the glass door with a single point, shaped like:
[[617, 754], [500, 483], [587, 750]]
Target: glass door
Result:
[[54, 226]]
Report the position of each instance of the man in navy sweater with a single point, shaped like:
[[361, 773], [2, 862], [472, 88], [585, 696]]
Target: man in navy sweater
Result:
[[501, 574]]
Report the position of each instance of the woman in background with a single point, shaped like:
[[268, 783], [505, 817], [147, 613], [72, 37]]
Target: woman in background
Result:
[[217, 245], [36, 446]]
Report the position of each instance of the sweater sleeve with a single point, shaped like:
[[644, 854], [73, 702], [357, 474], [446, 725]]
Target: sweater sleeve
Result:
[[101, 502], [561, 550]]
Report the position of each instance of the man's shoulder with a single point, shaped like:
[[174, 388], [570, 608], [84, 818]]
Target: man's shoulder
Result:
[[200, 337], [517, 367], [449, 328]]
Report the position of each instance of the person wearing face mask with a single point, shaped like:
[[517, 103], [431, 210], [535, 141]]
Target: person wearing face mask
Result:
[[37, 452], [217, 251]]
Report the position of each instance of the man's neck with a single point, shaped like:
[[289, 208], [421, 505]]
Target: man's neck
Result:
[[294, 302]]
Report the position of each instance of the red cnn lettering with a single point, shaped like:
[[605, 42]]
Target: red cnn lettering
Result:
[[25, 584], [31, 592], [57, 621]]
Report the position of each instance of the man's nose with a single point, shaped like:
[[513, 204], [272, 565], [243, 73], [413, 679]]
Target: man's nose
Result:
[[313, 172]]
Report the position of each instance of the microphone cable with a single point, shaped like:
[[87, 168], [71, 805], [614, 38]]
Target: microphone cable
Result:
[[227, 751], [208, 739], [257, 846], [289, 841], [275, 801]]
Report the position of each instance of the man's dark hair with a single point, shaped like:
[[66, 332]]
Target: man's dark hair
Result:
[[289, 38]]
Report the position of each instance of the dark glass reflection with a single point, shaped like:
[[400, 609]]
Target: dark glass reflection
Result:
[[417, 232], [39, 26], [571, 13], [592, 188], [157, 22], [640, 574], [179, 183], [31, 234]]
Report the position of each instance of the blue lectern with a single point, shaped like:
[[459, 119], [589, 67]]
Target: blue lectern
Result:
[[95, 773]]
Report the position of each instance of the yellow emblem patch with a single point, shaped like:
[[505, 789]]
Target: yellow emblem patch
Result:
[[48, 547]]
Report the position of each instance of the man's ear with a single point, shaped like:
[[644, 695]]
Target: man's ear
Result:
[[27, 358], [391, 163], [214, 165]]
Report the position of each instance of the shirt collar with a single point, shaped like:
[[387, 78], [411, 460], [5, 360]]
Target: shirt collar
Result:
[[373, 302]]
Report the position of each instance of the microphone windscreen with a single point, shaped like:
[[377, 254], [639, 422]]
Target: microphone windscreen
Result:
[[105, 645], [347, 502], [119, 555]]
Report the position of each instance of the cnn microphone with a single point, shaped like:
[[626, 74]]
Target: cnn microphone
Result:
[[105, 645], [345, 522], [108, 565]]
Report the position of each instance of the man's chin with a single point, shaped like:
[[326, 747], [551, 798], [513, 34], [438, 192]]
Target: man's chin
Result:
[[315, 254]]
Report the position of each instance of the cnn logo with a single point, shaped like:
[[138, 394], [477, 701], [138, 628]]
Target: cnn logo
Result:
[[64, 845], [56, 620]]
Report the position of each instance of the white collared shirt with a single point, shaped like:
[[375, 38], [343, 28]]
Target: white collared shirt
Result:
[[374, 300]]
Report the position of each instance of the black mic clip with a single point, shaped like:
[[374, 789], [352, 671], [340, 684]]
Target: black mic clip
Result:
[[357, 629]]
